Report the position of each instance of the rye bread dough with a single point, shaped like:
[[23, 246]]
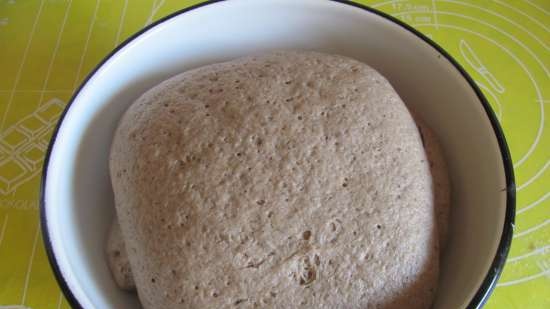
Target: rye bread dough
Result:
[[285, 180]]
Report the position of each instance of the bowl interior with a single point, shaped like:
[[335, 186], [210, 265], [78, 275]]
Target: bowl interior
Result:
[[78, 196]]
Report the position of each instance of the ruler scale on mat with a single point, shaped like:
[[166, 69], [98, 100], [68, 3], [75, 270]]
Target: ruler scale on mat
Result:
[[47, 47]]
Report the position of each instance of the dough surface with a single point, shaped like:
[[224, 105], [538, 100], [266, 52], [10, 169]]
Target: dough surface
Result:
[[442, 204], [284, 180]]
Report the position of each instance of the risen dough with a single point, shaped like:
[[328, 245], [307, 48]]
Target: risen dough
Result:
[[285, 180]]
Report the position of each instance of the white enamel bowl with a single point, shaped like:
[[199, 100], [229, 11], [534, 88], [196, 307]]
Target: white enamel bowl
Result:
[[77, 201]]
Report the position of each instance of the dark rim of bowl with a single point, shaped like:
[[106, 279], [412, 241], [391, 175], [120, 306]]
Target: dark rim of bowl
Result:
[[489, 282]]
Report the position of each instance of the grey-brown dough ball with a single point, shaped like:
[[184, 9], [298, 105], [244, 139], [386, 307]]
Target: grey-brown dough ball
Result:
[[283, 180]]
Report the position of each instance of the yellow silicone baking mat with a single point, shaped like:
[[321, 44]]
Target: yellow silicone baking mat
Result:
[[47, 47]]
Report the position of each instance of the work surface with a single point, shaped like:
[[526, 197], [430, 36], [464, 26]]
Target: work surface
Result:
[[48, 47]]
